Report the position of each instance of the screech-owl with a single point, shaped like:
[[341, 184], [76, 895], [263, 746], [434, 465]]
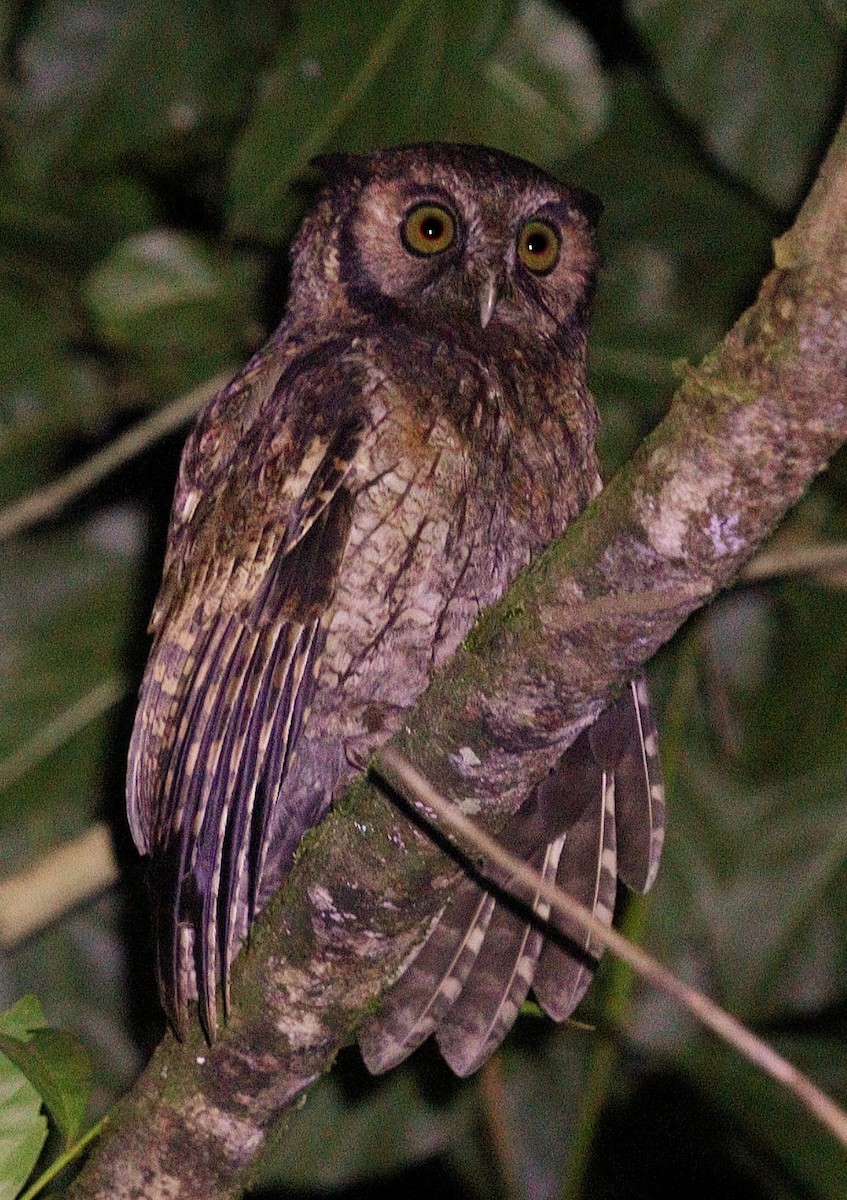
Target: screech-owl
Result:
[[415, 431]]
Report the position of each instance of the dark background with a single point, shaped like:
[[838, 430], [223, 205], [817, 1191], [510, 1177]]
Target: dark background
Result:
[[153, 167]]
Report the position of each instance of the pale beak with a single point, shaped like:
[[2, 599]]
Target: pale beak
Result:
[[487, 299]]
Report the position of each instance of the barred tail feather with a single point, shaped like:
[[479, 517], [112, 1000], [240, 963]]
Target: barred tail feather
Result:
[[641, 793], [492, 996], [587, 870], [598, 816], [418, 1002]]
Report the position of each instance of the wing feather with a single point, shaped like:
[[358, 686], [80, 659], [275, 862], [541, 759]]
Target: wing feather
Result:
[[238, 634], [641, 793]]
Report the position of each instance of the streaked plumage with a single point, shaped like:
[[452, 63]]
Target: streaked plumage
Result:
[[417, 429]]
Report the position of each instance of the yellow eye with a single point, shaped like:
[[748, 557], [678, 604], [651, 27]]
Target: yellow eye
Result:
[[538, 247], [428, 229]]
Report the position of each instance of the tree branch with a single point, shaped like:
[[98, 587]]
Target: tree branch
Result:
[[747, 432]]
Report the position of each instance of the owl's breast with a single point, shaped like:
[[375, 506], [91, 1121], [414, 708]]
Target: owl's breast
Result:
[[454, 491]]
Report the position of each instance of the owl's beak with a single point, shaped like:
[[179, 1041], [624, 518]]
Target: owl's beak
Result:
[[487, 299]]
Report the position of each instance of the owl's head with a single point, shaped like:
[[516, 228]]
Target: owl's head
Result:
[[450, 233]]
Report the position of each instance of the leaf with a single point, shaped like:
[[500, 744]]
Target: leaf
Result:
[[541, 94], [752, 897], [520, 76], [52, 386], [59, 1069], [23, 1129], [105, 80], [172, 302], [22, 1018], [53, 1061], [771, 888], [354, 1128], [757, 80], [544, 1072], [65, 611], [791, 1145], [57, 232], [681, 248], [9, 11], [321, 92], [45, 387], [80, 966]]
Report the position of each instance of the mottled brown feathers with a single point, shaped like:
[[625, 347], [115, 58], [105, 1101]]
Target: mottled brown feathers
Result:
[[416, 430]]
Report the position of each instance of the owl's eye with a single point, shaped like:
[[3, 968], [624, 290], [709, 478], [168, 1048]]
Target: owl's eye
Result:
[[428, 229], [538, 247]]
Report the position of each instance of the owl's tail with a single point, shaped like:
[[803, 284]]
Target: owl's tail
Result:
[[599, 816]]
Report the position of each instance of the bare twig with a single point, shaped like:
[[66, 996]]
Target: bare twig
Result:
[[72, 873], [525, 880], [49, 501], [818, 559], [45, 741]]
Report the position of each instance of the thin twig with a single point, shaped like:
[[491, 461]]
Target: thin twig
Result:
[[59, 880], [797, 560], [50, 500], [50, 737], [62, 1161], [437, 810]]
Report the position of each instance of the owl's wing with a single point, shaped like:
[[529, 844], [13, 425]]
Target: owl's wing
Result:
[[238, 630], [597, 817]]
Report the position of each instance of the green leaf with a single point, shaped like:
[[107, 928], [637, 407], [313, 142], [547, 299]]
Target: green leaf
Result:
[[105, 80], [9, 11], [323, 91], [89, 944], [541, 94], [65, 610], [794, 1151], [23, 1128], [45, 391], [352, 1128], [169, 300], [752, 887], [681, 247], [22, 1018], [59, 1069], [757, 80], [539, 1113], [54, 234], [520, 76], [769, 873]]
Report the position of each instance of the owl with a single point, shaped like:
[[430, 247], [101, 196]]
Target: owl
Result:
[[414, 432]]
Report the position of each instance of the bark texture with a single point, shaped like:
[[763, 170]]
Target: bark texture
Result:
[[747, 432]]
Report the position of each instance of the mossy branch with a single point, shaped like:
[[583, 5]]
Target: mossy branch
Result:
[[747, 432]]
